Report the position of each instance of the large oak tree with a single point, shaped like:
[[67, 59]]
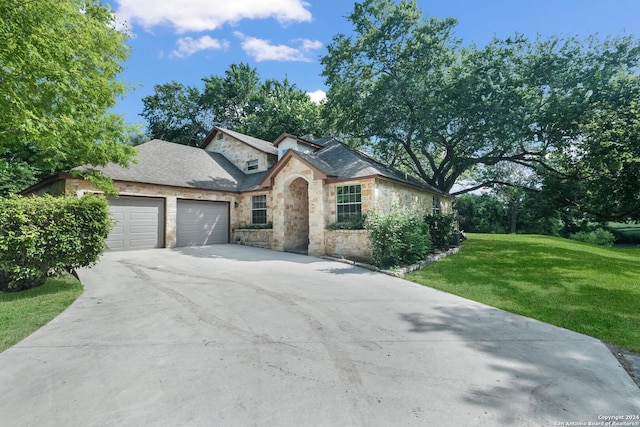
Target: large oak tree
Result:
[[565, 108]]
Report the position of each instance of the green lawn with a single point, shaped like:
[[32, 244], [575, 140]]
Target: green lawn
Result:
[[22, 313], [589, 289]]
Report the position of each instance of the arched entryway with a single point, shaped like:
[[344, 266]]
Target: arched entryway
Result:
[[296, 216]]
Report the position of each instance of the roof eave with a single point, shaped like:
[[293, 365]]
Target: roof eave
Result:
[[268, 180]]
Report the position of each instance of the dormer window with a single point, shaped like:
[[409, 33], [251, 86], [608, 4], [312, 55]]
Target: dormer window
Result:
[[252, 165]]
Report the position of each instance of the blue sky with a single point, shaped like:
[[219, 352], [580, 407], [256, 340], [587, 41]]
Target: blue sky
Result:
[[186, 40]]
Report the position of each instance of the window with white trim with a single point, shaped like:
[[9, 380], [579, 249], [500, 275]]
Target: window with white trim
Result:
[[252, 165], [259, 209], [348, 202], [435, 207]]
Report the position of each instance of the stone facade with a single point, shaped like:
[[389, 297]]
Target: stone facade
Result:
[[388, 192], [240, 153], [301, 201], [243, 212], [288, 184], [352, 244], [258, 238], [169, 194]]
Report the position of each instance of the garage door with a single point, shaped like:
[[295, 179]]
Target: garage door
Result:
[[202, 223], [138, 223]]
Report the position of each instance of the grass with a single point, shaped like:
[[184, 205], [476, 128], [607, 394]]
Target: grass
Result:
[[589, 289], [22, 313]]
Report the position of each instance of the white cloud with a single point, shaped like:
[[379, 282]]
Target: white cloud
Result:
[[187, 46], [202, 15], [317, 96], [263, 50]]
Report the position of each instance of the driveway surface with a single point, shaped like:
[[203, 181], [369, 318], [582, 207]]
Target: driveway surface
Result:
[[232, 336]]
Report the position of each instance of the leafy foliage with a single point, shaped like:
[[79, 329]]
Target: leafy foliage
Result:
[[59, 62], [267, 226], [175, 113], [398, 237], [356, 222], [40, 236], [440, 230], [597, 237], [564, 108], [239, 100]]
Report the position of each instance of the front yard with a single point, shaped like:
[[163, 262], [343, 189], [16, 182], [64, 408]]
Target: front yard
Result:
[[589, 289], [24, 312]]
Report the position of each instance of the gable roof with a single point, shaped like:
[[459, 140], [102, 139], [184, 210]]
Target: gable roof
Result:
[[341, 162], [168, 163], [257, 143], [302, 140]]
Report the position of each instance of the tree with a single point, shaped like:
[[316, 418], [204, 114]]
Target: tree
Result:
[[239, 100], [234, 97], [59, 61], [175, 113], [405, 85]]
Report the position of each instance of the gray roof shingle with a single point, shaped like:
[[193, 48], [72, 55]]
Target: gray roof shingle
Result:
[[343, 162], [167, 163]]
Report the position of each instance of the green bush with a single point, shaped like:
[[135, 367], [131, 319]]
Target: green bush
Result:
[[42, 236], [598, 237], [267, 226], [357, 222], [398, 237], [440, 229]]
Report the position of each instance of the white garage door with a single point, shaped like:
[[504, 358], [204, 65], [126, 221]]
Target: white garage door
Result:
[[138, 224], [202, 223]]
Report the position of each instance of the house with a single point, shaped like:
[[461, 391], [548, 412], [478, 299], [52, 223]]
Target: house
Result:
[[239, 189]]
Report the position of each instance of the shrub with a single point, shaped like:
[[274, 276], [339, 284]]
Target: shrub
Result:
[[397, 237], [598, 237], [41, 236], [357, 222], [440, 229], [266, 226]]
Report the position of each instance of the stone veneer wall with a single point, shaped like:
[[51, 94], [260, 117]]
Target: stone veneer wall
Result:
[[354, 244], [170, 196], [260, 238], [387, 192], [240, 153], [367, 187], [242, 213], [296, 215]]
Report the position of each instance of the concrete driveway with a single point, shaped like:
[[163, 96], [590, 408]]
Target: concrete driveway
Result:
[[233, 336]]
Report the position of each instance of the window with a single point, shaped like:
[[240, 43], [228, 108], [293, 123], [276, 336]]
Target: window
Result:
[[348, 202], [252, 165], [259, 209], [435, 209], [220, 136]]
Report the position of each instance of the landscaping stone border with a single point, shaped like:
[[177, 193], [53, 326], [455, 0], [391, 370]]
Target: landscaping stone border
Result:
[[400, 272]]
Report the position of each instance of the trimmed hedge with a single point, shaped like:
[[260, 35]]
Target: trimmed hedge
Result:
[[43, 236]]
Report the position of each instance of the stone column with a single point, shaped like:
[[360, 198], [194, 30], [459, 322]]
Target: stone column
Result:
[[316, 218], [171, 210]]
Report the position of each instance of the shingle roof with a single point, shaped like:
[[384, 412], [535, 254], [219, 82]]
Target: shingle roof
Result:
[[343, 162], [167, 163]]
